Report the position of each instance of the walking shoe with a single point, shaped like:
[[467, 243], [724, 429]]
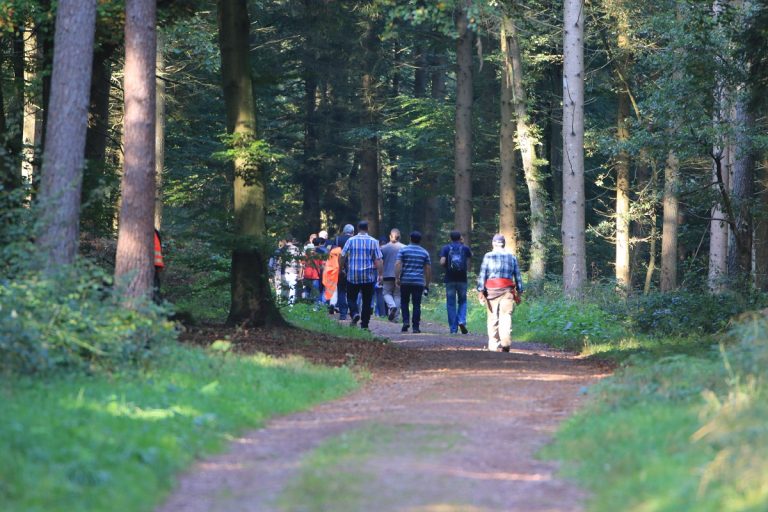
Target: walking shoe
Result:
[[392, 314], [355, 319], [503, 349], [416, 329], [405, 328], [463, 329]]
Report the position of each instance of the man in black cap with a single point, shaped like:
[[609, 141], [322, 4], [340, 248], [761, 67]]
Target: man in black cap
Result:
[[498, 284]]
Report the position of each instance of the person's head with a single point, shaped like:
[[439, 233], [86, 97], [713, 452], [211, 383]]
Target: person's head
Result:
[[383, 241], [415, 237], [498, 241], [323, 234], [312, 237], [349, 229], [394, 235], [362, 226], [455, 236]]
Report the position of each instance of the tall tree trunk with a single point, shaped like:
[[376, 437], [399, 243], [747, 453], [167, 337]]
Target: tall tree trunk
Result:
[[573, 225], [369, 151], [623, 270], [160, 121], [32, 124], [508, 178], [526, 141], [670, 224], [718, 225], [310, 176], [252, 302], [463, 139], [62, 174], [8, 173], [134, 260], [740, 245], [556, 140], [761, 228]]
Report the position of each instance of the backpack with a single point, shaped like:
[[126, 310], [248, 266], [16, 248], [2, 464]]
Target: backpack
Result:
[[456, 260]]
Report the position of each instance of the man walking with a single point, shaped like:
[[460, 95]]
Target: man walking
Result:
[[413, 273], [391, 290], [498, 284], [362, 257], [454, 258]]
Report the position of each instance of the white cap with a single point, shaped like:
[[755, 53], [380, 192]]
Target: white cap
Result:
[[323, 234]]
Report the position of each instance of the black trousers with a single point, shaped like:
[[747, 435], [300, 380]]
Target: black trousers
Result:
[[353, 290], [408, 293]]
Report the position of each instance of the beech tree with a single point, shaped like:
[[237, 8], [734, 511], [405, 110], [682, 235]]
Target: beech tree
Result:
[[67, 121], [251, 302]]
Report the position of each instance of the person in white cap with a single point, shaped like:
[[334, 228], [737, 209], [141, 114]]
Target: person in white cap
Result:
[[499, 285]]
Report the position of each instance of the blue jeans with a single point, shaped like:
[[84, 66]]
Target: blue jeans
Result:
[[456, 314]]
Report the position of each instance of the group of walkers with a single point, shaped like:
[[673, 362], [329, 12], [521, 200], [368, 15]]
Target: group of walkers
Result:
[[353, 271]]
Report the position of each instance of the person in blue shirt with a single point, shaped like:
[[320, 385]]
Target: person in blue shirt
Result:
[[413, 273], [455, 258], [362, 257], [499, 286]]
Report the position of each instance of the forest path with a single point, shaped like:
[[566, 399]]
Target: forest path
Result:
[[456, 431]]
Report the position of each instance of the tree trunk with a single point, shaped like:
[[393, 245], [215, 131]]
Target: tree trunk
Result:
[[740, 245], [62, 174], [573, 225], [508, 178], [463, 139], [160, 120], [310, 177], [527, 143], [32, 124], [761, 229], [718, 225], [134, 260], [670, 223], [369, 151], [623, 270], [252, 302]]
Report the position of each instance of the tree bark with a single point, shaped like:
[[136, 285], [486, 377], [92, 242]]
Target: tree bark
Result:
[[369, 151], [463, 138], [740, 245], [252, 302], [310, 177], [670, 224], [134, 266], [718, 226], [623, 270], [62, 173], [508, 178], [573, 225], [526, 142], [160, 121]]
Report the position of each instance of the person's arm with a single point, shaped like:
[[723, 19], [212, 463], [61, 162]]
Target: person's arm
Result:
[[442, 261], [380, 269], [518, 277], [427, 274], [398, 269], [481, 280]]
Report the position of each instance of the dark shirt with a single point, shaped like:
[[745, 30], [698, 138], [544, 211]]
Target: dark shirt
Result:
[[454, 276]]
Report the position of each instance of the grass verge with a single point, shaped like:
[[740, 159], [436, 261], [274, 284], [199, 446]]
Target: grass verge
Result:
[[114, 442]]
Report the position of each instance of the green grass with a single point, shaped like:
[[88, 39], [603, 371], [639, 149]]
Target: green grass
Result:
[[115, 442], [306, 317]]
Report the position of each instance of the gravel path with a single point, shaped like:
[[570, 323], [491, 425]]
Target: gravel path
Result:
[[458, 431]]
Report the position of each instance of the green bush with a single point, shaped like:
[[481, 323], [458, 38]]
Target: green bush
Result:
[[685, 313], [73, 319]]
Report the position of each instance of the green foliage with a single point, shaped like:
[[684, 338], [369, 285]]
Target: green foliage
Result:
[[73, 319], [312, 318], [95, 443], [678, 433]]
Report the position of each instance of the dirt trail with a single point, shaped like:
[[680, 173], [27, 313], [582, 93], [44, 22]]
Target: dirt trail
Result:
[[458, 431]]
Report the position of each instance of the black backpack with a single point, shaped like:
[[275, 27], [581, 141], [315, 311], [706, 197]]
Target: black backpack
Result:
[[456, 260]]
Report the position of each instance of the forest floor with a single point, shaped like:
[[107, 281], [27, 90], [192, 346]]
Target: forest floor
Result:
[[442, 426]]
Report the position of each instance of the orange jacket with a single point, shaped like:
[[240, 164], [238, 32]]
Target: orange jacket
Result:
[[158, 252]]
